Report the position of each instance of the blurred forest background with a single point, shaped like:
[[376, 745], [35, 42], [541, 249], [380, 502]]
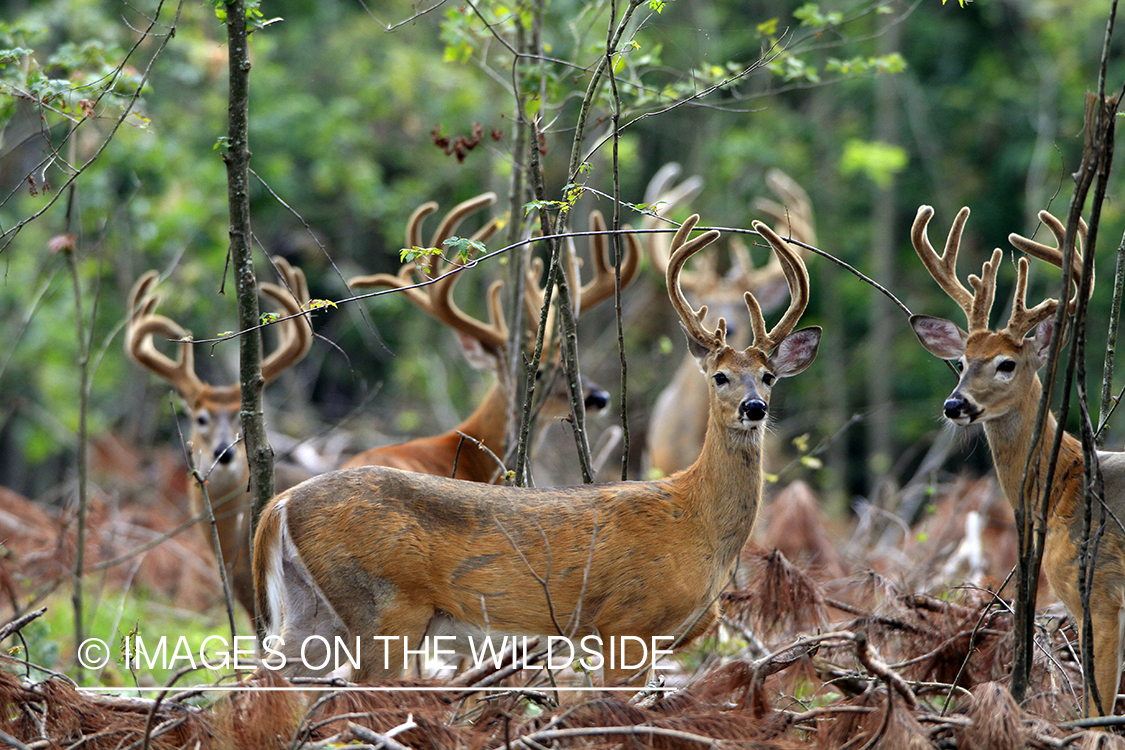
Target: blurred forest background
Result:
[[873, 107]]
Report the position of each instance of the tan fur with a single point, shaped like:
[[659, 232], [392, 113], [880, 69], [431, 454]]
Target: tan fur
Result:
[[381, 552]]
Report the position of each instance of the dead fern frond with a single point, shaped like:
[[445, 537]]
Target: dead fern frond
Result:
[[997, 722], [796, 527], [778, 598]]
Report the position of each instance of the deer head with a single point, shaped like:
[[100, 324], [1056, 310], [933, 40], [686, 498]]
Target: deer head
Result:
[[213, 409], [486, 343], [998, 368], [741, 381]]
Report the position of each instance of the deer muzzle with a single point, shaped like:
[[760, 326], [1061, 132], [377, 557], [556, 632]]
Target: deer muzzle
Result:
[[960, 410], [752, 410], [597, 399]]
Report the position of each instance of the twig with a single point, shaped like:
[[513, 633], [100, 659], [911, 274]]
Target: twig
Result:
[[19, 622], [384, 740]]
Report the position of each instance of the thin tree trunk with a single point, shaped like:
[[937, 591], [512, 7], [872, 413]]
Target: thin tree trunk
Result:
[[884, 322], [258, 450]]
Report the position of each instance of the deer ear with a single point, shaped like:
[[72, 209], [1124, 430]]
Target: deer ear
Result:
[[942, 338], [796, 352], [698, 349], [479, 357], [1042, 338]]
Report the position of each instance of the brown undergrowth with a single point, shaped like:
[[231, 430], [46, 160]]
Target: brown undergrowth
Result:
[[815, 649]]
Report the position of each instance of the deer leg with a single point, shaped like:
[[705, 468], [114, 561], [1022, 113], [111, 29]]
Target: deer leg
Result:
[[1107, 621], [628, 661], [388, 641]]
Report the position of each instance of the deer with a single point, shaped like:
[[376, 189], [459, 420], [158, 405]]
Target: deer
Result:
[[999, 388], [217, 451], [470, 451], [376, 556], [679, 415]]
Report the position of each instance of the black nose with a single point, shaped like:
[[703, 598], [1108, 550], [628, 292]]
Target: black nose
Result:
[[753, 409], [224, 454], [954, 407], [597, 399]]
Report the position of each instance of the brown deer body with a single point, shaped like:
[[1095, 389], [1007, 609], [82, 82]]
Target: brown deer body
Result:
[[1000, 388], [218, 453], [471, 449], [373, 552], [678, 422]]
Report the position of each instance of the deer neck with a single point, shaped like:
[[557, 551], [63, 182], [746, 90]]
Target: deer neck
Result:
[[727, 480], [489, 422], [1010, 440]]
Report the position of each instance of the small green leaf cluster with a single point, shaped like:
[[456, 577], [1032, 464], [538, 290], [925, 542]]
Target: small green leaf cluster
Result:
[[254, 18], [892, 63], [811, 15], [463, 248], [789, 64], [68, 80], [415, 254], [879, 162]]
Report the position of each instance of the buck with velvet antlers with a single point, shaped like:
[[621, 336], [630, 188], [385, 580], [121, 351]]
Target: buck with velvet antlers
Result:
[[218, 453], [486, 345], [377, 556], [1000, 388], [678, 422]]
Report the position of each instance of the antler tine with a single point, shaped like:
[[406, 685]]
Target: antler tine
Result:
[[1023, 319], [795, 209], [797, 277], [403, 281], [457, 214], [414, 235], [493, 335], [984, 292], [453, 219], [943, 269], [1054, 255], [440, 304], [144, 324], [436, 298], [296, 334], [692, 319], [141, 301], [660, 191], [604, 284]]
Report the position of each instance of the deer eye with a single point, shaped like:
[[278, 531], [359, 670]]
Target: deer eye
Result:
[[960, 365], [202, 420], [720, 378], [768, 378], [1008, 365]]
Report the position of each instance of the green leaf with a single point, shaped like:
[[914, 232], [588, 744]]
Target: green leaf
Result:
[[464, 248], [413, 254]]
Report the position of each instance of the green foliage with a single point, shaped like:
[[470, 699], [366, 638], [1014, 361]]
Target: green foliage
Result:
[[463, 248], [351, 151], [68, 81], [254, 18], [879, 162], [811, 15]]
